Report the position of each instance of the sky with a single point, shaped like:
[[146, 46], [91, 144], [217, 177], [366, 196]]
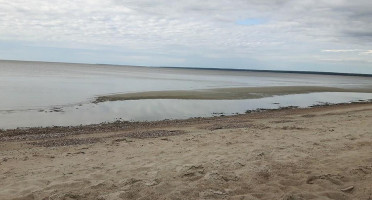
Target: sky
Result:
[[304, 35]]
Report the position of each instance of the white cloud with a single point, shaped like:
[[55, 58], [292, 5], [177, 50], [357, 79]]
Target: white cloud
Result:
[[340, 50], [289, 29], [367, 52]]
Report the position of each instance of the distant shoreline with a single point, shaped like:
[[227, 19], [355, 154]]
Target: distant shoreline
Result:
[[276, 71], [212, 69]]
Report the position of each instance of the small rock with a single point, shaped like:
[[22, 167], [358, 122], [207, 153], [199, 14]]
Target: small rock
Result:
[[218, 192], [348, 189]]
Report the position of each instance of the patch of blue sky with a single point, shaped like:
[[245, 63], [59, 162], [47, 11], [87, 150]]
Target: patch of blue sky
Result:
[[250, 21]]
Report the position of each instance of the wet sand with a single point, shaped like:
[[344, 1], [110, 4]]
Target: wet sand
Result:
[[226, 93], [315, 153]]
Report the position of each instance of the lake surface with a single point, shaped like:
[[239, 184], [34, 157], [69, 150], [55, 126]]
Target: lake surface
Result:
[[47, 94]]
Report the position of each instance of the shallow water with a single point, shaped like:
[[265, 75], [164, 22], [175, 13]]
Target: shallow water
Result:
[[30, 90], [160, 109]]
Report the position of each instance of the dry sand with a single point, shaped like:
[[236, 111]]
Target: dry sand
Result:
[[227, 93], [316, 153]]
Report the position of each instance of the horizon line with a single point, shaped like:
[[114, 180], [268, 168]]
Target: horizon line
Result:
[[210, 68]]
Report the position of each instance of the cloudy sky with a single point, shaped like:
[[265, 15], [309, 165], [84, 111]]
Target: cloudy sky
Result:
[[317, 35]]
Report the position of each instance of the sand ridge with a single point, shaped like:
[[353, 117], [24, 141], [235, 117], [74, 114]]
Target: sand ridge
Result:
[[226, 93], [316, 153]]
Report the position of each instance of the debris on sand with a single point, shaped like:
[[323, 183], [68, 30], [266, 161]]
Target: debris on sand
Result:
[[65, 142], [348, 189]]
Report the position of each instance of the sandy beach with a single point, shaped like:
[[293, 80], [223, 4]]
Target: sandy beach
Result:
[[314, 153]]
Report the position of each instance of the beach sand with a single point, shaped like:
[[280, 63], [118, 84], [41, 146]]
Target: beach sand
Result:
[[315, 153]]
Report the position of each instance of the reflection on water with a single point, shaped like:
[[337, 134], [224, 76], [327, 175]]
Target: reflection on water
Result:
[[34, 85], [149, 110]]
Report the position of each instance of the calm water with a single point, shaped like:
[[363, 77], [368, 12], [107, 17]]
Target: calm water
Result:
[[30, 90]]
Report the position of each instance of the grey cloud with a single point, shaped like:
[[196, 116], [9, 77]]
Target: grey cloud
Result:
[[360, 34], [292, 29]]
